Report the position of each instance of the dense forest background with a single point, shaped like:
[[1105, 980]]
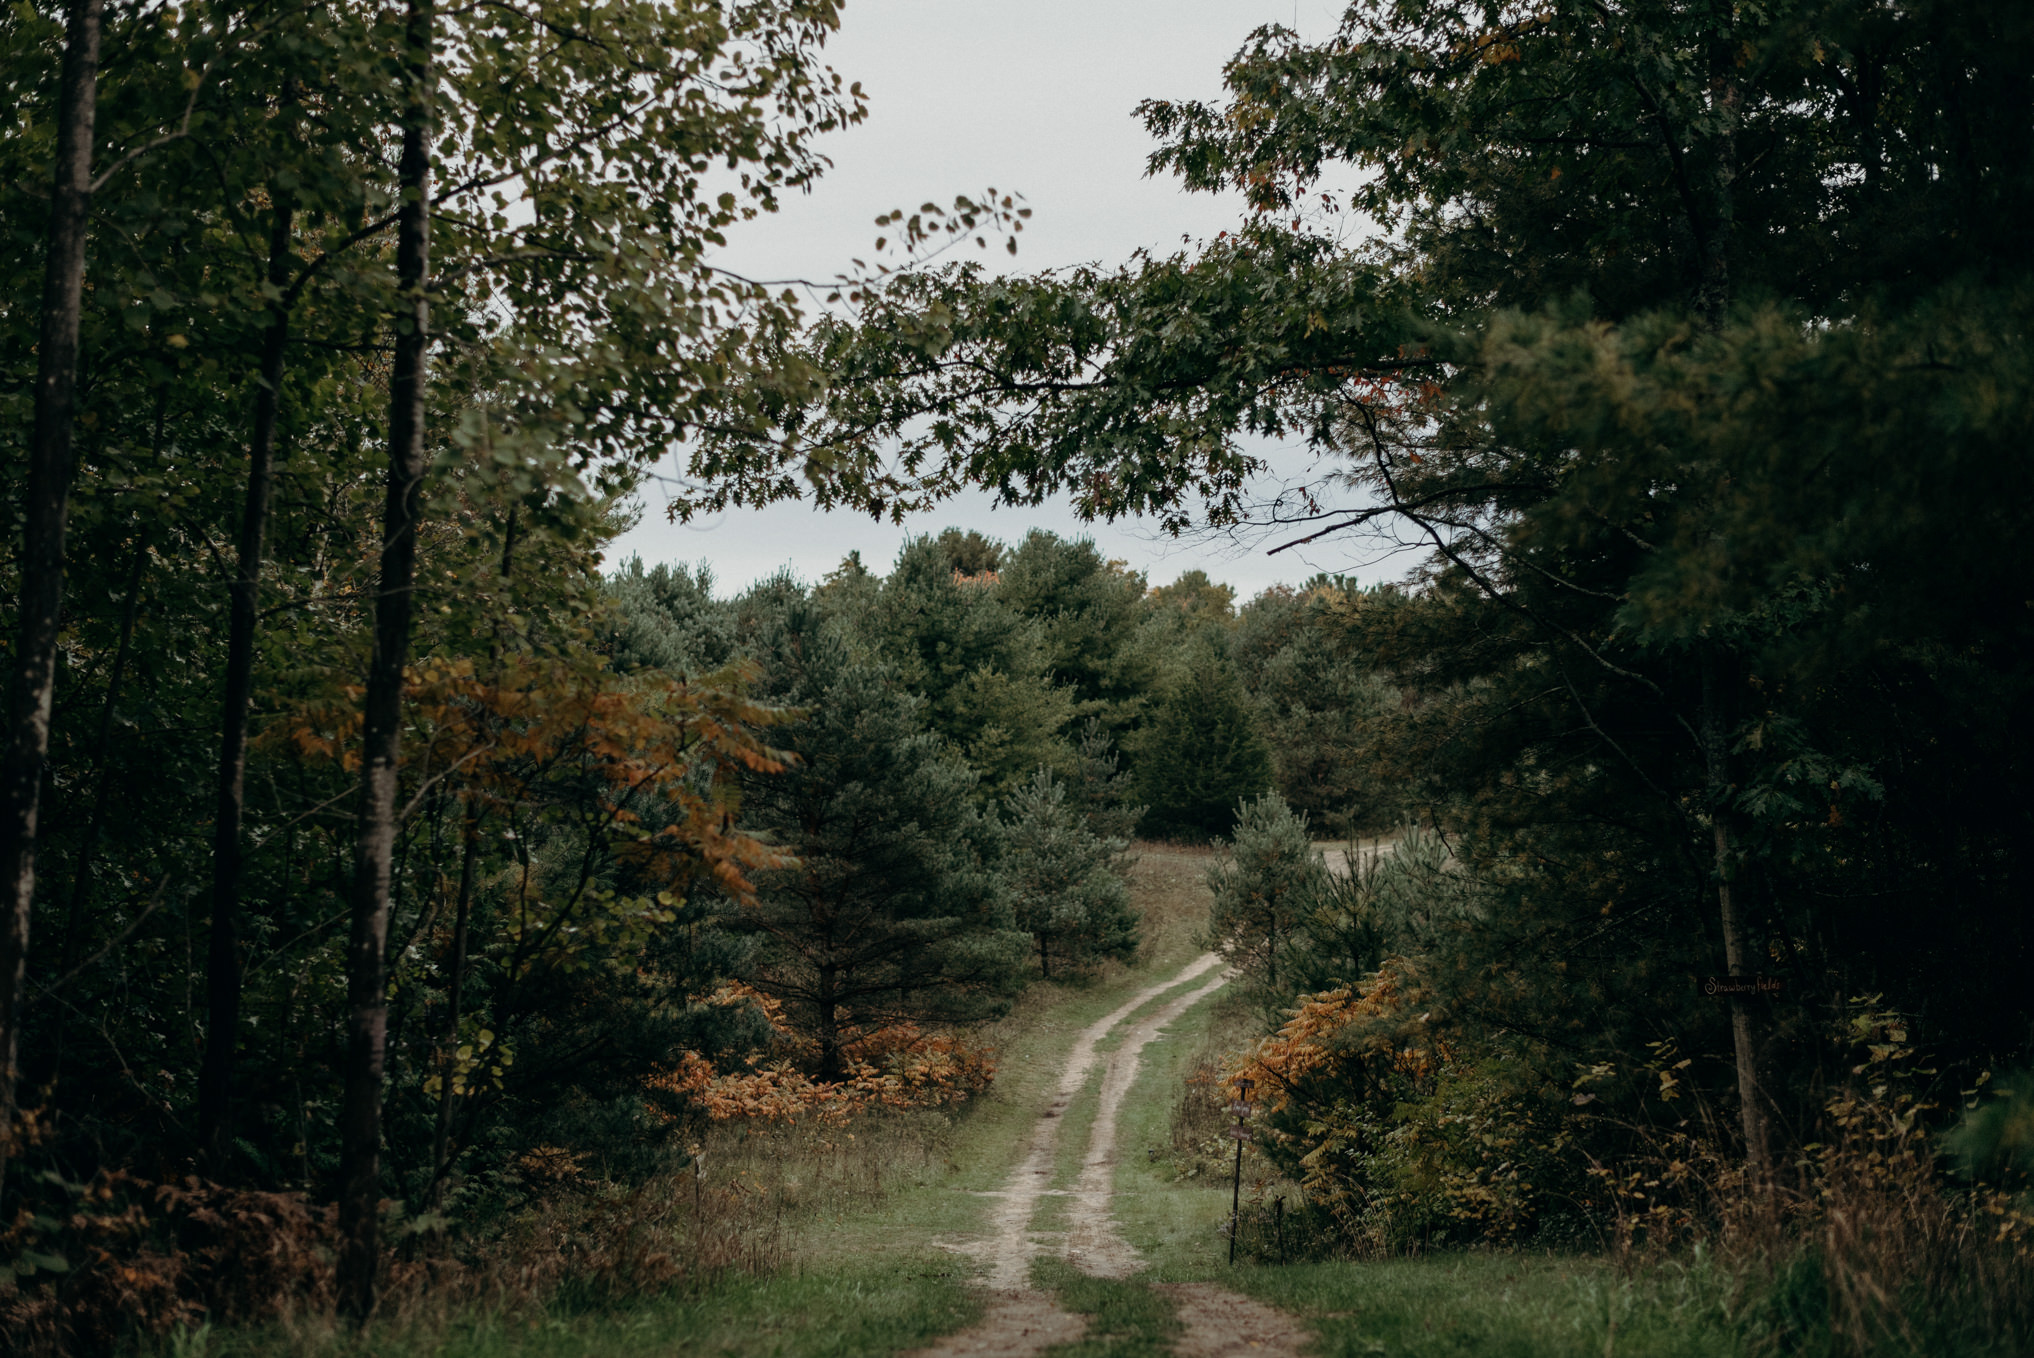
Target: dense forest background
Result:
[[369, 836]]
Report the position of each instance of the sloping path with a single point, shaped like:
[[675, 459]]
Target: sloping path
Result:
[[1022, 1321]]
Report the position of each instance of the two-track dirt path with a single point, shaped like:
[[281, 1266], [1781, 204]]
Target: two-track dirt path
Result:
[[1022, 1320]]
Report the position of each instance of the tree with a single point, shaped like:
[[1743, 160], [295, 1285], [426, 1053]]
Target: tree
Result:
[[665, 618], [1099, 790], [980, 666], [893, 911], [1201, 754], [42, 551], [382, 705], [1320, 706], [1061, 878], [1269, 880], [1089, 611]]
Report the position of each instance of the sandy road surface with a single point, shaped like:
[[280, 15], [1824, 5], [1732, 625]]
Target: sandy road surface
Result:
[[1022, 1321]]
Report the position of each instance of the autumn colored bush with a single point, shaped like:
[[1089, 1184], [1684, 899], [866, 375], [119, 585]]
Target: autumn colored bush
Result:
[[894, 1066], [103, 1264], [1402, 1138]]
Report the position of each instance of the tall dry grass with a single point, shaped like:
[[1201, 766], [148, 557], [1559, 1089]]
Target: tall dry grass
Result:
[[129, 1265], [1865, 1244]]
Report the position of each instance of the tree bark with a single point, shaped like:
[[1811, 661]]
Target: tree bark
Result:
[[1736, 953], [367, 984], [42, 553], [222, 959], [1712, 302]]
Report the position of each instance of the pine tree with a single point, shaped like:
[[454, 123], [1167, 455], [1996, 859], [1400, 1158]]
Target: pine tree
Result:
[[1062, 881], [1266, 884], [1202, 754], [893, 911]]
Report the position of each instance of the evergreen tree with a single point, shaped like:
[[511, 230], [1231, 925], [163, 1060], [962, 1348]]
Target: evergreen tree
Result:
[[1062, 880], [1201, 755], [1100, 791], [893, 910], [1320, 706], [1090, 612], [665, 618], [1267, 883], [980, 666]]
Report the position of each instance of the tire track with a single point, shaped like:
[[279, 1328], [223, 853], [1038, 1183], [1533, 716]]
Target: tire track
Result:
[[1021, 1320]]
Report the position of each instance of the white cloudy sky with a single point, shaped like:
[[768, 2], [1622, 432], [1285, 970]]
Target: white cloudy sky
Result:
[[1031, 96]]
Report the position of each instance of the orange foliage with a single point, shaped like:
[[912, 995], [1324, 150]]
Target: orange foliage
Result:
[[502, 736], [896, 1066], [1339, 1028]]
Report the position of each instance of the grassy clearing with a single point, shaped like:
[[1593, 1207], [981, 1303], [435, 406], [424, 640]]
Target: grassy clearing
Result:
[[1502, 1306], [1175, 1222], [840, 1225], [936, 1192], [860, 1308]]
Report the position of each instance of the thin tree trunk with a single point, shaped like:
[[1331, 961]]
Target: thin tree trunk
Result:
[[222, 958], [1712, 302], [367, 962], [1736, 955], [441, 1143], [42, 553], [1271, 951]]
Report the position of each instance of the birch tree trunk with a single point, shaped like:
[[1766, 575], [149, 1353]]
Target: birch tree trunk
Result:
[[366, 963]]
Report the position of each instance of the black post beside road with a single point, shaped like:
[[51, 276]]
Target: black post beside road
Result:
[[1241, 1132]]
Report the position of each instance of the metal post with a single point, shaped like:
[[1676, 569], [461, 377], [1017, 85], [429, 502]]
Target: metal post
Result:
[[1235, 1197], [1241, 1132]]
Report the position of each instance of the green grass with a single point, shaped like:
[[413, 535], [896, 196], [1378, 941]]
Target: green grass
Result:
[[1126, 1319], [1500, 1306], [1176, 1224], [854, 1308], [935, 1167]]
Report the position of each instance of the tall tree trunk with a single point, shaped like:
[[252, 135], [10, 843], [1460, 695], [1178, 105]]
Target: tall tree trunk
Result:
[[455, 992], [1712, 302], [367, 962], [222, 958], [1715, 732], [42, 551]]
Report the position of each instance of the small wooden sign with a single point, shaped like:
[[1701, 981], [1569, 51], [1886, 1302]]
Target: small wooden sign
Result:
[[1241, 1134], [1768, 986]]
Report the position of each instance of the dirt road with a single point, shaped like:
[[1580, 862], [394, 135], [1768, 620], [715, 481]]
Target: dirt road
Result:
[[1023, 1321]]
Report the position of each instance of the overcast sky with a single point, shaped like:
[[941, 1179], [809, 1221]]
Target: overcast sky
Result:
[[1026, 96]]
